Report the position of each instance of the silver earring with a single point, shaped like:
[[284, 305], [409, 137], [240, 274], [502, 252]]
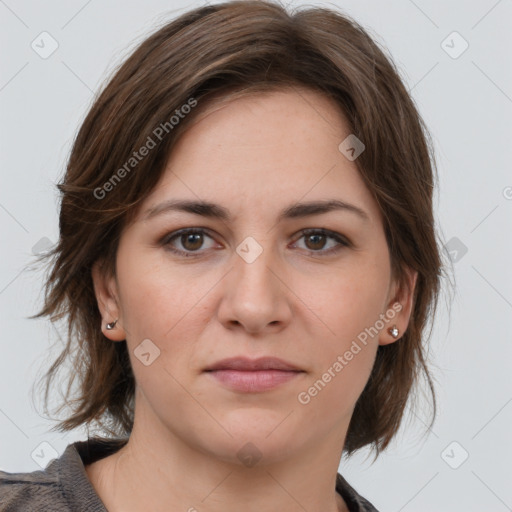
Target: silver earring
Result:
[[393, 331], [111, 325]]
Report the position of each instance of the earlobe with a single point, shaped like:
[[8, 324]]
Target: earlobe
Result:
[[399, 309], [107, 299]]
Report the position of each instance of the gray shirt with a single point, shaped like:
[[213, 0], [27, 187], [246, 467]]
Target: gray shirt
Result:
[[63, 486]]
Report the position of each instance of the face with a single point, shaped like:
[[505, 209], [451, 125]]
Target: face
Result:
[[264, 279]]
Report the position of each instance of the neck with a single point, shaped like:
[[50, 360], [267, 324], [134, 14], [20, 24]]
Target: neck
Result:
[[157, 470]]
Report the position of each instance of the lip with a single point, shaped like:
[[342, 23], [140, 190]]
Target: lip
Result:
[[253, 375], [246, 364], [255, 381]]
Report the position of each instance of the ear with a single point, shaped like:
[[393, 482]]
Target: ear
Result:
[[399, 307], [105, 289]]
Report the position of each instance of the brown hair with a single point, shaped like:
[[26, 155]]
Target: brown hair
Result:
[[216, 50]]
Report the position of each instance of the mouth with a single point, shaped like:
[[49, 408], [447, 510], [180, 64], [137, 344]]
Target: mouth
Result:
[[253, 381], [253, 376], [246, 364]]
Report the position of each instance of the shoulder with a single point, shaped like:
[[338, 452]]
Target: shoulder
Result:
[[355, 502], [62, 486], [38, 490]]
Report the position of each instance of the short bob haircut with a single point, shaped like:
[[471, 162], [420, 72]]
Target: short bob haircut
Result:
[[224, 51]]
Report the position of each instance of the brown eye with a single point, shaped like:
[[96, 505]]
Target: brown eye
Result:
[[316, 241], [191, 241]]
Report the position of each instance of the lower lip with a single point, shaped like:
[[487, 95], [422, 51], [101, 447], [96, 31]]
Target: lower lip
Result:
[[253, 381]]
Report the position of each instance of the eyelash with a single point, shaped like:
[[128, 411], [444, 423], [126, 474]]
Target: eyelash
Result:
[[343, 242]]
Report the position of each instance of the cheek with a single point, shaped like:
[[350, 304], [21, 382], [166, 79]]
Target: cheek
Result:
[[349, 299], [156, 299], [169, 307], [349, 305], [343, 366]]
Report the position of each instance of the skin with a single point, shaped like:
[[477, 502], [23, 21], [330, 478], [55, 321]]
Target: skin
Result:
[[255, 156]]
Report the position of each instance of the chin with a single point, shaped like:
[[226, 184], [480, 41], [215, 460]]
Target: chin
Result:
[[265, 435]]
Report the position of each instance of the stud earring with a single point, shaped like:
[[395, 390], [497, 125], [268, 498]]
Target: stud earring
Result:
[[393, 331], [111, 325]]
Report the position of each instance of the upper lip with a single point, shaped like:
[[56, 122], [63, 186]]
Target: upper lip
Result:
[[246, 364]]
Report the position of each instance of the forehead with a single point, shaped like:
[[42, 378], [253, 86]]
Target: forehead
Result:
[[294, 108], [265, 149]]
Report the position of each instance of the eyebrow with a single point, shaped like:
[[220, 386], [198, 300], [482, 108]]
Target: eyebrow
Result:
[[216, 211]]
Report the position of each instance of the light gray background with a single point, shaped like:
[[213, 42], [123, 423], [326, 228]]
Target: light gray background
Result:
[[466, 103]]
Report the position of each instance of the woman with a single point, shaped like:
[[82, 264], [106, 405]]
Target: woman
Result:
[[247, 262]]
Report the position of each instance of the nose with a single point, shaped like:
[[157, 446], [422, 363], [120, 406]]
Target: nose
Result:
[[255, 295]]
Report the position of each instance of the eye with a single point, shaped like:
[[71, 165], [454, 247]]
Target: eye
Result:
[[191, 239], [315, 240]]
